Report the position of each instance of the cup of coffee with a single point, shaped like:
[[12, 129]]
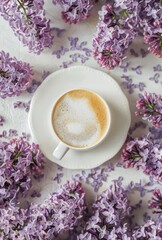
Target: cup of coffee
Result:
[[80, 120]]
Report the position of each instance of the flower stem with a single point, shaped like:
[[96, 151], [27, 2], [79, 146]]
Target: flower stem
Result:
[[152, 107], [24, 10], [107, 53], [135, 155], [124, 12], [3, 73], [161, 35], [18, 154]]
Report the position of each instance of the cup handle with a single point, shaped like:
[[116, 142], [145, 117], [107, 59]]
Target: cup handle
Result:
[[60, 151]]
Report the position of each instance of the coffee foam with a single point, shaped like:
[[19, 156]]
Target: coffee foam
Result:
[[77, 118]]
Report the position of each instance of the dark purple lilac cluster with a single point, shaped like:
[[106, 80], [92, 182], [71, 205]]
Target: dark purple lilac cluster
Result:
[[74, 11], [149, 106], [144, 153], [19, 162], [59, 213], [120, 22], [15, 76], [27, 20]]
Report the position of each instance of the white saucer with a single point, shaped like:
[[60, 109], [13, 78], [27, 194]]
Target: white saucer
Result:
[[73, 78]]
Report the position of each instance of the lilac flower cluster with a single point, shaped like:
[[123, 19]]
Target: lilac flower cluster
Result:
[[156, 202], [74, 11], [19, 161], [120, 22], [151, 20], [109, 214], [59, 213], [27, 20], [115, 32], [150, 230], [15, 76], [150, 108], [144, 153]]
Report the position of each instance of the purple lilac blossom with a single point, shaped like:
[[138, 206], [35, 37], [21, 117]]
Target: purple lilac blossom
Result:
[[124, 66], [143, 52], [15, 76], [58, 31], [57, 214], [128, 83], [74, 11], [27, 20], [19, 161], [157, 68], [60, 52], [144, 153], [95, 177], [3, 134], [66, 64], [10, 134], [156, 201], [137, 125], [133, 52], [35, 193], [156, 132], [155, 78], [1, 120], [137, 69], [74, 46], [34, 85], [20, 104], [149, 106]]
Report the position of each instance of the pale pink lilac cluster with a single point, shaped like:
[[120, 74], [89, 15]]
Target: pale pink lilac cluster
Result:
[[149, 106], [59, 213], [15, 76], [144, 153], [27, 20], [74, 11], [19, 162]]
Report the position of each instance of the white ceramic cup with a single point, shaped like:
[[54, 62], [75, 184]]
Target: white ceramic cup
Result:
[[63, 147]]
